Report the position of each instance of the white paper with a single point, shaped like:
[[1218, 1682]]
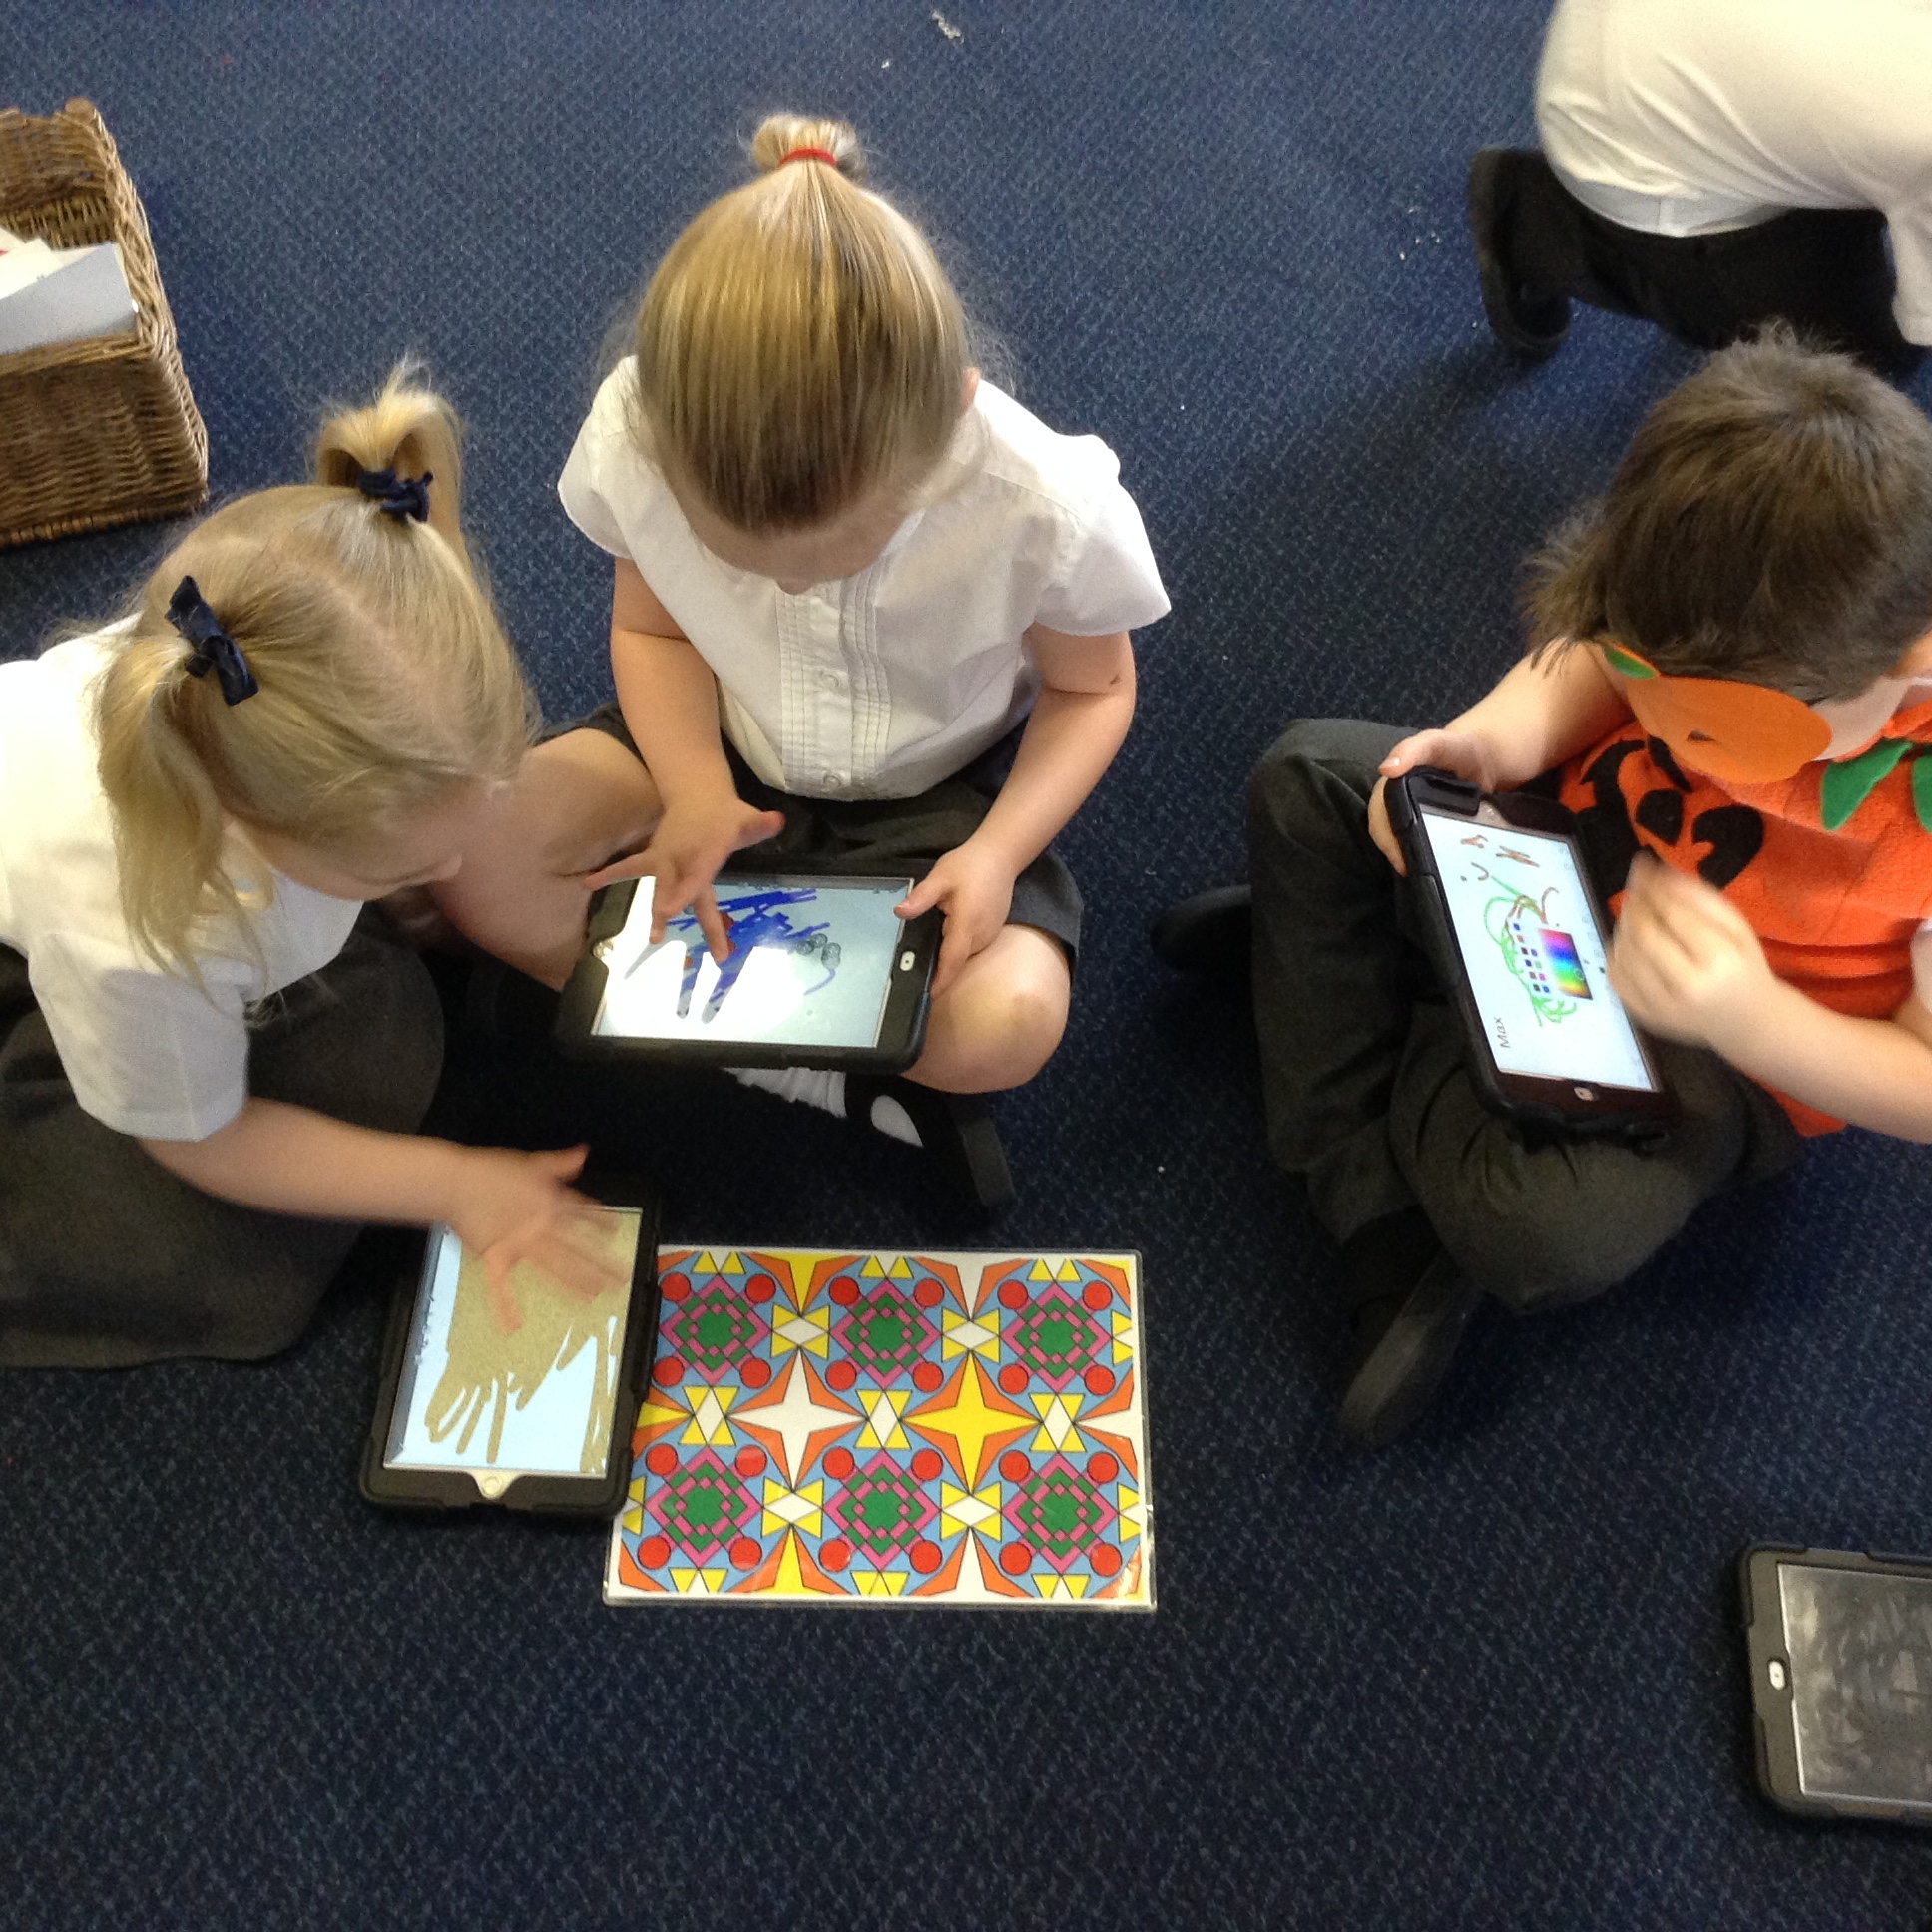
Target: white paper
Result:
[[62, 295]]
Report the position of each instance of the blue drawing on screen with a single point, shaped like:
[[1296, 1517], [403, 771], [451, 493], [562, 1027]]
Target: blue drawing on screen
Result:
[[756, 919]]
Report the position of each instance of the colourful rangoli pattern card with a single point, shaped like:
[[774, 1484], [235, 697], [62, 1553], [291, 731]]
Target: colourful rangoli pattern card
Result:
[[826, 1428]]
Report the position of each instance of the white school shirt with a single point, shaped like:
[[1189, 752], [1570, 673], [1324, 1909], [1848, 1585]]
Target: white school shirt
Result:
[[147, 1053], [1690, 117], [880, 685]]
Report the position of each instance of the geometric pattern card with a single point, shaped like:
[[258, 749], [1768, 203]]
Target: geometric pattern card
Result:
[[833, 1428]]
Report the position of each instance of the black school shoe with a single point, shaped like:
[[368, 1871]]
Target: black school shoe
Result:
[[956, 1132], [1399, 1376], [1530, 327], [1212, 932]]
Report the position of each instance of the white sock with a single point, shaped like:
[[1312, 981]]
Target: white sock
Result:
[[824, 1088]]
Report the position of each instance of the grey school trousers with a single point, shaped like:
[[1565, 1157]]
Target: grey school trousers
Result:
[[1366, 1084], [106, 1260]]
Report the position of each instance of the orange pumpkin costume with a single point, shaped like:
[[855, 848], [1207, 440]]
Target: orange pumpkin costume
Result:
[[1832, 867]]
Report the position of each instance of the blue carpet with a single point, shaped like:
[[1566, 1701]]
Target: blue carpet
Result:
[[1489, 1678]]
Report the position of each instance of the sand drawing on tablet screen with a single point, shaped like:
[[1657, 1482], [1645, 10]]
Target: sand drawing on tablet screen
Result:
[[757, 919], [489, 1374]]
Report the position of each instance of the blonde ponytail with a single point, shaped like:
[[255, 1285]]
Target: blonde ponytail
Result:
[[799, 346], [385, 682]]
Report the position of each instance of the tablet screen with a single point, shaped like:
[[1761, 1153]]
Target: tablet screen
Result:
[[1533, 954], [1860, 1644], [811, 964], [537, 1401]]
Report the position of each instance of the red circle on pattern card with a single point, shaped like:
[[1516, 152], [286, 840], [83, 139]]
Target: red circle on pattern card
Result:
[[845, 1291], [1015, 1558], [1101, 1468], [745, 1551], [927, 1376], [1012, 1295], [667, 1370], [1097, 1294], [749, 1462], [1013, 1378], [926, 1465], [1100, 1381], [838, 1464], [673, 1288], [835, 1553], [1015, 1467], [1104, 1559], [756, 1373], [654, 1551], [760, 1287], [841, 1375], [929, 1294], [660, 1459], [925, 1555]]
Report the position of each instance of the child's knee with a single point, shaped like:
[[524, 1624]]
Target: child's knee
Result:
[[578, 799], [1007, 1019], [1315, 764]]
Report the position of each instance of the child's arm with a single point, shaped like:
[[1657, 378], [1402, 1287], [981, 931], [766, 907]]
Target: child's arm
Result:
[[505, 1206], [1533, 720], [1688, 966], [670, 702], [1085, 705]]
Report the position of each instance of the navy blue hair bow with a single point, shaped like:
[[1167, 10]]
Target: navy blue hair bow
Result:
[[214, 649], [398, 496]]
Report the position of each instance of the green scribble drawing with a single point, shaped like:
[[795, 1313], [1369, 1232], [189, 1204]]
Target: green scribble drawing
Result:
[[1550, 1009]]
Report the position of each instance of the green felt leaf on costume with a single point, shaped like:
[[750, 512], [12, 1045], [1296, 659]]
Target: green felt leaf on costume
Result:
[[1627, 662], [1922, 791], [1848, 783]]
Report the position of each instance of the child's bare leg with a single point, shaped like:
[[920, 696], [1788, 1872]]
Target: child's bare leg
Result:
[[999, 1022], [580, 801]]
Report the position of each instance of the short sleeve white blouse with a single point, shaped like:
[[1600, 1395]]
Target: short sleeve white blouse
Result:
[[880, 685], [145, 1051]]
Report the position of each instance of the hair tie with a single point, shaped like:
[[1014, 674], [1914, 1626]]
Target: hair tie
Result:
[[397, 496], [214, 648], [811, 154]]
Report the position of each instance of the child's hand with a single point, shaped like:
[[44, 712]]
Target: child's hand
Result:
[[508, 1208], [975, 887], [1687, 963], [693, 840], [1459, 752]]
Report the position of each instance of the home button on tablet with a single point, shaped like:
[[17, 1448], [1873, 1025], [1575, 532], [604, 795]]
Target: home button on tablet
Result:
[[1585, 1093], [491, 1484], [907, 960]]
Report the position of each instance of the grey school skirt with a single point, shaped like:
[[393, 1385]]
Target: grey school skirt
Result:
[[887, 835]]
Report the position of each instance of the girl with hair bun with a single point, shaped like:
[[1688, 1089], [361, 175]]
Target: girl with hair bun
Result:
[[212, 1066], [869, 615]]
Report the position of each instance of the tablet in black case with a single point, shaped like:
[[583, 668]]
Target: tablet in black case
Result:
[[1523, 946], [822, 973], [539, 1418]]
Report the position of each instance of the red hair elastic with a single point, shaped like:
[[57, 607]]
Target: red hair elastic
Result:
[[809, 153]]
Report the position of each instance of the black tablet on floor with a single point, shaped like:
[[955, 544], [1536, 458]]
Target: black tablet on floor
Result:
[[535, 1418], [822, 973]]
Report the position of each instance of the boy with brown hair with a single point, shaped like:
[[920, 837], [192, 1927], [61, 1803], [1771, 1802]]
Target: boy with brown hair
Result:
[[1730, 683]]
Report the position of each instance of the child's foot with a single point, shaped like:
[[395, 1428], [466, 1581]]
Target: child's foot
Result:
[[1402, 1368], [1211, 932], [955, 1130], [1402, 1295], [1531, 327]]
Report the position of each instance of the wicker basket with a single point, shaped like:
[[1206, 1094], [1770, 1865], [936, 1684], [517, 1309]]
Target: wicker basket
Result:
[[104, 430]]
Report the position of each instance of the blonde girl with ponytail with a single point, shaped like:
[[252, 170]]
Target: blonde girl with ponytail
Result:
[[210, 1064], [869, 615]]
